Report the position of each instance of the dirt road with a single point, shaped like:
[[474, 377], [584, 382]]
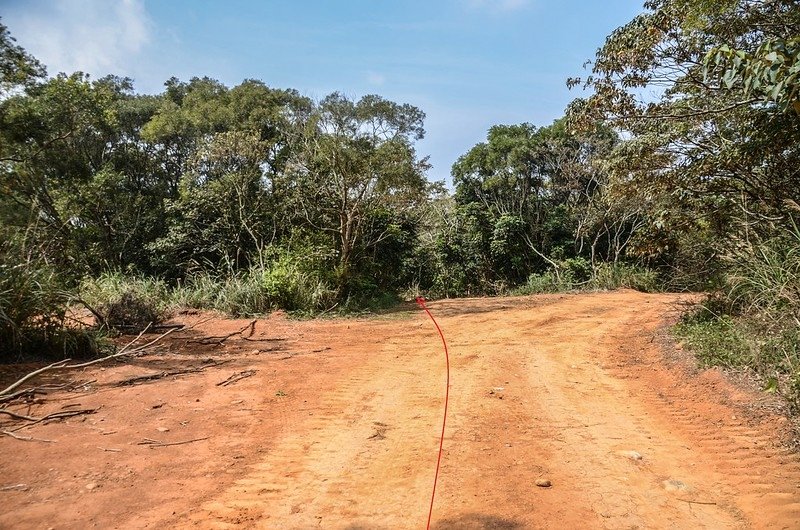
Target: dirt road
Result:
[[338, 428]]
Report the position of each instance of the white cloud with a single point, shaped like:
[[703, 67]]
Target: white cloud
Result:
[[376, 79], [499, 5], [95, 36]]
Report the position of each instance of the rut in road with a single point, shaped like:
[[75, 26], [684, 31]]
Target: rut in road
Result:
[[570, 388]]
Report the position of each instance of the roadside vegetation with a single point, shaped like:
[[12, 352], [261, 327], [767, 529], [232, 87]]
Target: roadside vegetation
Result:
[[679, 171]]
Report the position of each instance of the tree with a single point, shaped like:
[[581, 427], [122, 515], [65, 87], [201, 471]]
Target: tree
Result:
[[224, 212], [530, 185], [221, 150], [350, 160], [698, 134], [74, 162], [771, 72], [18, 69]]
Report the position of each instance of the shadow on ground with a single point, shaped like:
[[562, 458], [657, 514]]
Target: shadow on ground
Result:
[[477, 521]]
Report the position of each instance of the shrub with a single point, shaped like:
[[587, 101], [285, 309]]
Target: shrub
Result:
[[716, 340], [578, 269], [621, 275], [33, 316], [746, 342], [576, 273], [130, 313], [765, 277], [546, 282], [127, 303]]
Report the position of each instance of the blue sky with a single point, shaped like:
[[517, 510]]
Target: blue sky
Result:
[[469, 64]]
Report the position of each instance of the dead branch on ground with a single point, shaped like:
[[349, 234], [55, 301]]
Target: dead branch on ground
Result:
[[128, 349], [220, 340], [699, 502], [100, 318], [30, 393], [162, 375], [238, 376], [11, 392], [26, 438], [52, 416], [156, 443], [18, 416], [22, 487]]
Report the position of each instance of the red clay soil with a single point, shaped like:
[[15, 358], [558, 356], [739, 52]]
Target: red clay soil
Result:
[[339, 428]]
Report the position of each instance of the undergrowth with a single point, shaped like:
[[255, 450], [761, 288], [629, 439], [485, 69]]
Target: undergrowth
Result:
[[577, 274], [754, 323], [34, 322]]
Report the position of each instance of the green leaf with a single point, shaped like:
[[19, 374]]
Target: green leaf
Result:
[[775, 93], [729, 78]]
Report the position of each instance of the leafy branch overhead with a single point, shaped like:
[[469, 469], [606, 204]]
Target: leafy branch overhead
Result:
[[770, 73]]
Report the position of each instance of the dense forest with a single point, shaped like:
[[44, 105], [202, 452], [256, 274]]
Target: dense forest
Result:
[[680, 170]]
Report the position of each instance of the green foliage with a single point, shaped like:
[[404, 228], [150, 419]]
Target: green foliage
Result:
[[621, 275], [771, 73], [746, 342], [127, 303], [546, 282], [352, 162], [292, 281], [17, 67], [765, 277], [754, 323], [577, 274], [295, 281], [525, 194], [709, 167], [717, 341], [34, 319]]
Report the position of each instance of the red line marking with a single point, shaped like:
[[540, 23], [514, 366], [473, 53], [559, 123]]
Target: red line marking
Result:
[[421, 303]]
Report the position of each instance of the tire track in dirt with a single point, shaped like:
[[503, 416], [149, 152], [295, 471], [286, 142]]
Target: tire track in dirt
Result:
[[329, 468], [547, 424], [570, 388], [749, 469]]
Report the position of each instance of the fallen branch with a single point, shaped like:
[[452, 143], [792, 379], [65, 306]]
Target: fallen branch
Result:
[[18, 416], [53, 416], [26, 438], [162, 375], [62, 365], [100, 318], [219, 340], [151, 328], [156, 443], [110, 450], [124, 351], [67, 414], [238, 376], [31, 392], [44, 389], [9, 393], [53, 366]]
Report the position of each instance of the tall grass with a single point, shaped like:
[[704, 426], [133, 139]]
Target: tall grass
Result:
[[754, 322], [577, 274], [33, 316], [765, 277], [282, 285]]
